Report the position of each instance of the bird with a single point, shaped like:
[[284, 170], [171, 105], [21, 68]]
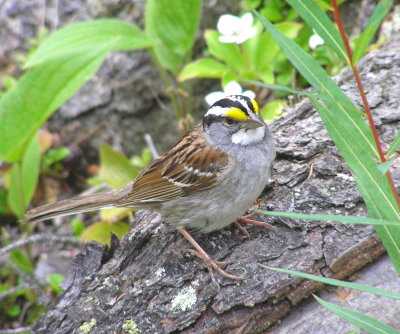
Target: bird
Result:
[[204, 182]]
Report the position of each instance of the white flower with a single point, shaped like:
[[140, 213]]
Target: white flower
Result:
[[236, 29], [232, 88], [315, 41]]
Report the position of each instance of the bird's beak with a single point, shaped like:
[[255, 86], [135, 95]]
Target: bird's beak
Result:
[[253, 123]]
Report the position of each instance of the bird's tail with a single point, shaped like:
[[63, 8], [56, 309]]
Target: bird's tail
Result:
[[75, 205]]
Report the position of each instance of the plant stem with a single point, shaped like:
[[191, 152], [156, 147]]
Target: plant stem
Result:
[[363, 97]]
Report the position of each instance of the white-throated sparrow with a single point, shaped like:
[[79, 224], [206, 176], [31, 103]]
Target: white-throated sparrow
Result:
[[205, 181]]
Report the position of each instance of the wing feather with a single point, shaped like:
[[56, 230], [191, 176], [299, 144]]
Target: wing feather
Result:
[[191, 166]]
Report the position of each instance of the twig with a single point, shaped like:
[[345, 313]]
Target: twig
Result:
[[363, 97], [15, 330], [42, 238], [14, 289], [150, 144], [30, 280]]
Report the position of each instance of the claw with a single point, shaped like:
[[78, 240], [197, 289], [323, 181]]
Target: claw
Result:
[[212, 265]]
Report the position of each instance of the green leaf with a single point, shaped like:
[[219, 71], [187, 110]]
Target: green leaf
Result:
[[3, 201], [272, 110], [353, 138], [203, 68], [101, 232], [79, 38], [358, 319], [115, 168], [336, 282], [30, 169], [21, 260], [15, 197], [385, 166], [289, 29], [341, 219], [362, 41], [55, 280], [320, 22], [395, 145], [13, 311], [38, 94], [77, 226], [55, 155], [172, 25], [261, 50], [227, 52], [174, 22]]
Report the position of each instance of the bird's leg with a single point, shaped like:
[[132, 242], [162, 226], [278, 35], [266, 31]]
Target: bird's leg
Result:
[[211, 263], [246, 220]]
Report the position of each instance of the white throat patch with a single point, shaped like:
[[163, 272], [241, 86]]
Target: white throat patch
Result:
[[251, 136]]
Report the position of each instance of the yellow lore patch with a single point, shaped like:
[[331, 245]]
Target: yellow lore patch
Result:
[[255, 106], [237, 114]]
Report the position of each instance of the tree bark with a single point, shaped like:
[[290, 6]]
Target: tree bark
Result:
[[146, 281]]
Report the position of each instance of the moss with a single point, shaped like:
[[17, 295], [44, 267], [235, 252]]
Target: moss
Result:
[[130, 327], [185, 299], [87, 326]]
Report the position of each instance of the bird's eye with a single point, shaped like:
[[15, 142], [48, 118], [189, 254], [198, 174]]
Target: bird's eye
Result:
[[229, 121]]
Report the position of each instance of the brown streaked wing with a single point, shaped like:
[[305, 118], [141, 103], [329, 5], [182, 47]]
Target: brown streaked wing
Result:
[[192, 165]]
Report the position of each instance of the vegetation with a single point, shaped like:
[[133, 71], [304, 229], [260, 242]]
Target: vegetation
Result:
[[261, 61]]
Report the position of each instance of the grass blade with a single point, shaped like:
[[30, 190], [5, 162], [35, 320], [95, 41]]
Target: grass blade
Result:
[[373, 24], [341, 219], [358, 319], [320, 22], [395, 145], [336, 282]]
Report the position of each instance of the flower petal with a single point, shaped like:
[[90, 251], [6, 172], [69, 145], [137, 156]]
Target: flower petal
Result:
[[228, 39], [233, 88], [214, 97], [227, 23], [249, 93], [246, 20], [315, 41]]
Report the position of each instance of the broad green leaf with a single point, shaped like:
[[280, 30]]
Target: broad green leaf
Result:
[[227, 52], [203, 68], [336, 282], [289, 29], [395, 145], [320, 22], [115, 168], [101, 232], [38, 94], [174, 22], [114, 214], [55, 280], [172, 25], [261, 50], [341, 219], [353, 139], [362, 41], [358, 319], [272, 110], [79, 38], [21, 260], [15, 196], [30, 169], [77, 226]]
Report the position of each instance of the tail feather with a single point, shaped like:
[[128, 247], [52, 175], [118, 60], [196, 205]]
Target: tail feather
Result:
[[76, 205]]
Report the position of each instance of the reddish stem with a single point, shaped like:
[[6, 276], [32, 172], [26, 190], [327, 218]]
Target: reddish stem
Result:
[[363, 97]]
